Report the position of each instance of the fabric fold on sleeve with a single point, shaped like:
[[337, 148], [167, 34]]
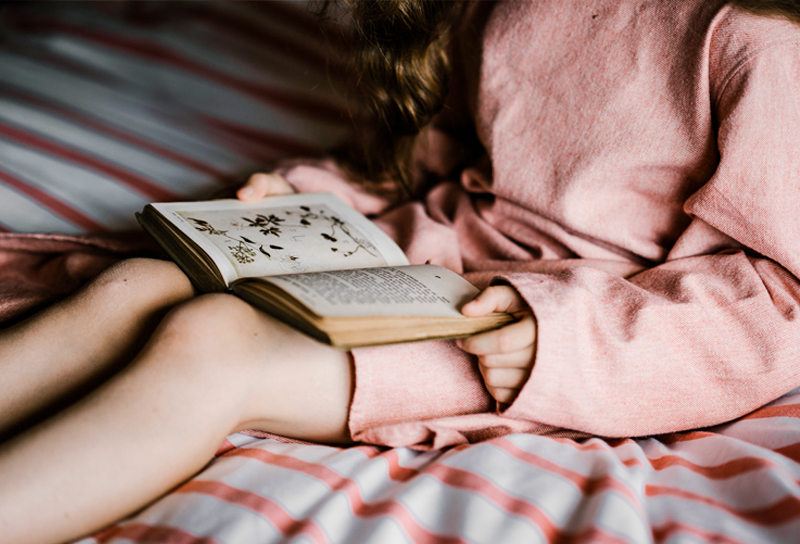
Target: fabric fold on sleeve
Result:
[[325, 175], [686, 345]]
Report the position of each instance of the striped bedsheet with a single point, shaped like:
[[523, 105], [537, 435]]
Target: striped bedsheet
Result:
[[735, 484], [105, 106]]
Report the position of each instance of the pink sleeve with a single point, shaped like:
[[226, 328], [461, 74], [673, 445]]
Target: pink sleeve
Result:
[[714, 332], [325, 175], [439, 155]]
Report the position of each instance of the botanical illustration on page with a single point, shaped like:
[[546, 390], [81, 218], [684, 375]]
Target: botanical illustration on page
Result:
[[285, 239]]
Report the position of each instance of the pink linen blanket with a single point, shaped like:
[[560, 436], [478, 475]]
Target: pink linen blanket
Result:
[[37, 269]]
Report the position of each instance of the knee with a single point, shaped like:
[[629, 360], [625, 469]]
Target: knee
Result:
[[220, 345], [143, 280], [217, 324], [214, 341], [142, 270]]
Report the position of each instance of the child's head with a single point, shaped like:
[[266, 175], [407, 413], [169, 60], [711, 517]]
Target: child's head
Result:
[[401, 73], [789, 9]]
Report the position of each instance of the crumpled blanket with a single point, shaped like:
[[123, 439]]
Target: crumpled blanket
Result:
[[39, 269]]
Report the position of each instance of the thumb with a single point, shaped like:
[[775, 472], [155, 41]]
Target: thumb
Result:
[[497, 298], [261, 185]]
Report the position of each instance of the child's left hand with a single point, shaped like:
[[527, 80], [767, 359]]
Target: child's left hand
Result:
[[506, 354]]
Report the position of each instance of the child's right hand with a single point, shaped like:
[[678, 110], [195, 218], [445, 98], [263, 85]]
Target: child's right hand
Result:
[[505, 355], [261, 185]]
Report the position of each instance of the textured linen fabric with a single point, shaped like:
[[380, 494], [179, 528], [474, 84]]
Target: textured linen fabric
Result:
[[640, 189], [38, 269]]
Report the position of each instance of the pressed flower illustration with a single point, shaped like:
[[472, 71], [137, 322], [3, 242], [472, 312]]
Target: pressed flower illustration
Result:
[[269, 225], [242, 253], [293, 238], [205, 226]]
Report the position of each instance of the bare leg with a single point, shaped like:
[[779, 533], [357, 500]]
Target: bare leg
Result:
[[73, 344], [215, 365]]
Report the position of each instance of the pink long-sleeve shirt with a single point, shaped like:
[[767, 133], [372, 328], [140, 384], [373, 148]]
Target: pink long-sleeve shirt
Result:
[[641, 191]]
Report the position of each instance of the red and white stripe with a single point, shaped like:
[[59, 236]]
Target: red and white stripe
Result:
[[99, 113], [739, 483]]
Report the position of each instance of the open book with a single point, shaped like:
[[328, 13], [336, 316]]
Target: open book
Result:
[[317, 264]]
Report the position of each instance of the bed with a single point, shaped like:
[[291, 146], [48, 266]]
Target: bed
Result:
[[105, 106]]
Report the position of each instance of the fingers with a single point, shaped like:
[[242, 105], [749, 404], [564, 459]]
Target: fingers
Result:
[[507, 378], [511, 377], [497, 298], [503, 395], [511, 338], [518, 359], [504, 384], [505, 357], [261, 185]]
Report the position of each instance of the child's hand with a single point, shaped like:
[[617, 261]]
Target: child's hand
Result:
[[261, 185], [505, 354]]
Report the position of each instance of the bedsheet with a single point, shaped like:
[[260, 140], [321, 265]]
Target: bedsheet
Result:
[[106, 106], [737, 483]]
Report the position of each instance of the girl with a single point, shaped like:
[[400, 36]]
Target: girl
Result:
[[624, 172]]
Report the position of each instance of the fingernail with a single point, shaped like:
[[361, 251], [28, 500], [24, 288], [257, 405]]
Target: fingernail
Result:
[[245, 192]]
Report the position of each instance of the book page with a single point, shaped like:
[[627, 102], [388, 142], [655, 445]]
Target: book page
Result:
[[421, 290], [283, 235]]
